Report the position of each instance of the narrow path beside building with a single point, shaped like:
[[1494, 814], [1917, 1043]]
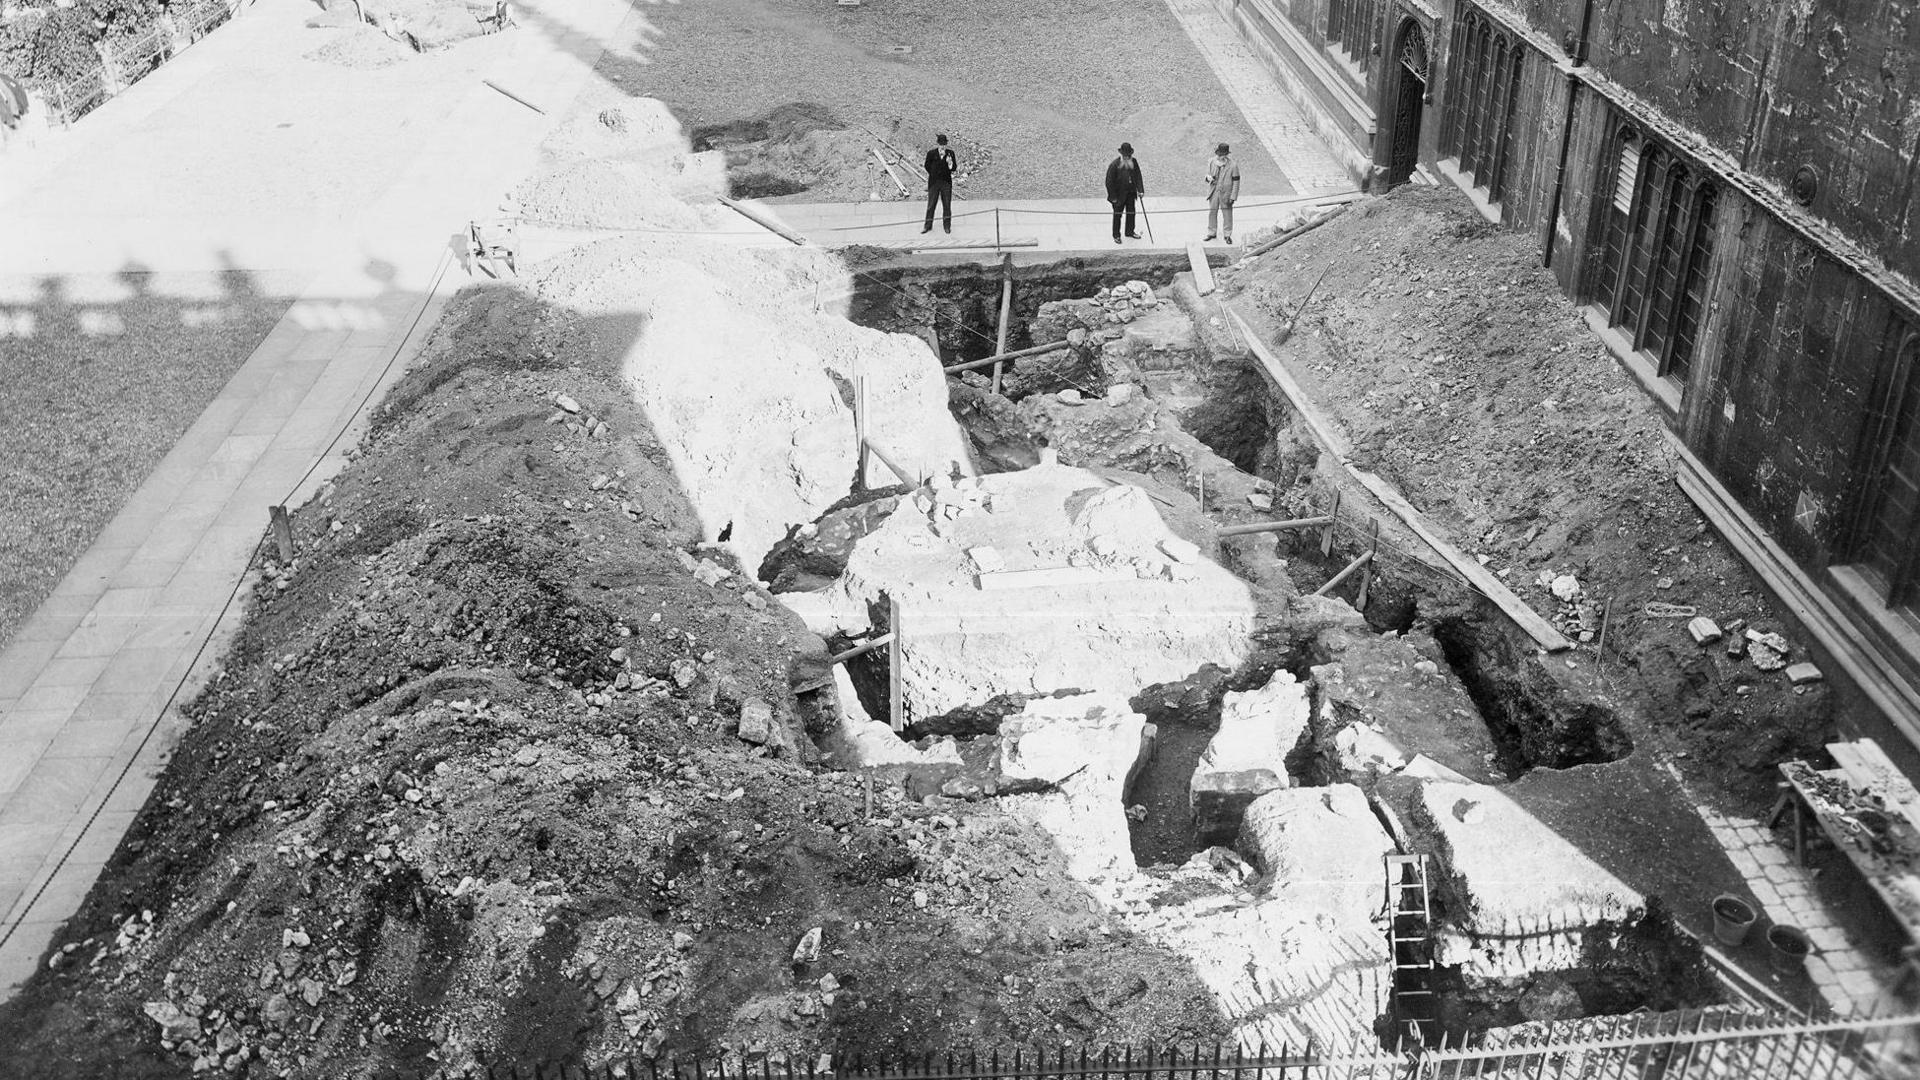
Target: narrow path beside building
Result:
[[379, 174]]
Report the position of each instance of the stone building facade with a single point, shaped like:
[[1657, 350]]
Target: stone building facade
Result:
[[1727, 188]]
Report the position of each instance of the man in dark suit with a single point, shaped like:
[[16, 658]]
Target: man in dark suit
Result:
[[940, 167], [1124, 185]]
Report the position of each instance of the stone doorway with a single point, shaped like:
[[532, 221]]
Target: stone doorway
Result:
[[1408, 98]]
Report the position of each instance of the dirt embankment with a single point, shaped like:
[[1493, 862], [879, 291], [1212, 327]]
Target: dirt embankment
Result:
[[1464, 376], [474, 788]]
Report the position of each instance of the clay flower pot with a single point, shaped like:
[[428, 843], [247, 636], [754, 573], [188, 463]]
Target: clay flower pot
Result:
[[1733, 919], [1787, 948]]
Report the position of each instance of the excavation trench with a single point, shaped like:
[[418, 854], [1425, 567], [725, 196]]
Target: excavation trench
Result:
[[1152, 396]]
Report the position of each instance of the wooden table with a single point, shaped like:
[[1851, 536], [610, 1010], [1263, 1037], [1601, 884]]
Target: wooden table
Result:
[[1871, 812]]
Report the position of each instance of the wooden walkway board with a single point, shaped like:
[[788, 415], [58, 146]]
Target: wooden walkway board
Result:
[[1492, 587], [1202, 270], [1330, 437]]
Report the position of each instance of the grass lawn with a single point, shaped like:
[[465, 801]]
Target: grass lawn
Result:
[[98, 379], [1045, 91]]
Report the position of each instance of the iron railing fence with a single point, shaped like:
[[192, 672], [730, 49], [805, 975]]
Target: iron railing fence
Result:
[[1690, 1045], [134, 58]]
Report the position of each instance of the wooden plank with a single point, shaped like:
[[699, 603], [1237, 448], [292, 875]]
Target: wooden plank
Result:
[[1817, 613], [1316, 420], [891, 175], [1271, 526], [896, 640], [1329, 436], [989, 361], [1202, 270], [1870, 765], [1006, 313], [764, 222], [1051, 576], [1491, 587]]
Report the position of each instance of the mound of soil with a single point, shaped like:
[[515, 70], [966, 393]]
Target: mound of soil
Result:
[[474, 787], [360, 46], [1465, 377]]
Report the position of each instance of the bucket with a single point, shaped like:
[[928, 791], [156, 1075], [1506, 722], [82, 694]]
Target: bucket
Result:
[[1788, 947], [1733, 919]]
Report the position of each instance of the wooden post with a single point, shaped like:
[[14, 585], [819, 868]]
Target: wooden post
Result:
[[1006, 312], [895, 707], [1366, 575], [282, 523], [1364, 558], [1333, 519], [860, 430]]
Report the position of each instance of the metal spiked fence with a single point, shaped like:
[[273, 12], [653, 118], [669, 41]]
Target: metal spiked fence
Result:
[[134, 58], [1690, 1045]]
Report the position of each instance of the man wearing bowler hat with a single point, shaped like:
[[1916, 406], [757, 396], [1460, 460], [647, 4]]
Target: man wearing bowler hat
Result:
[[1124, 186]]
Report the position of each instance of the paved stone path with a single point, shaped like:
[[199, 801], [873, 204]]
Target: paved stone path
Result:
[[1053, 224], [1275, 119], [1848, 979], [237, 155]]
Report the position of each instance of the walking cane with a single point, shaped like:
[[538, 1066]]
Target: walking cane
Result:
[[1145, 220]]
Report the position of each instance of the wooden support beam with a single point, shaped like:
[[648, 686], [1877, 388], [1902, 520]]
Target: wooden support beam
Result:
[[1017, 354], [1333, 521], [1317, 421], [891, 175], [896, 684], [282, 523], [764, 222], [1366, 575], [1268, 245], [1333, 582], [1335, 442], [863, 648], [1202, 270], [910, 481], [1491, 587], [1006, 313], [1272, 526], [860, 430]]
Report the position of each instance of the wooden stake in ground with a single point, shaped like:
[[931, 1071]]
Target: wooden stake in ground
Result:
[[282, 523], [860, 430], [1006, 313]]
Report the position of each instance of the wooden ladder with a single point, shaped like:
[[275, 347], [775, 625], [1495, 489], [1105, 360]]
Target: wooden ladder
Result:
[[1410, 938]]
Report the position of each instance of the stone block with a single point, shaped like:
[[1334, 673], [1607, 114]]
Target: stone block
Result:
[[1704, 630], [1321, 848], [1803, 673], [1247, 757]]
